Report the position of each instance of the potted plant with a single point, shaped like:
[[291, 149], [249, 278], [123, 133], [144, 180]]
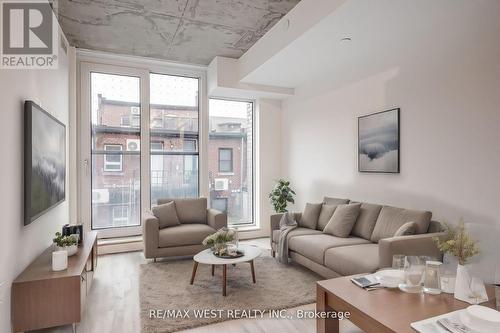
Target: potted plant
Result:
[[67, 243], [458, 244], [219, 240], [281, 195]]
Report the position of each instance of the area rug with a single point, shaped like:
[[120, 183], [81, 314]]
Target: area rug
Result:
[[165, 292]]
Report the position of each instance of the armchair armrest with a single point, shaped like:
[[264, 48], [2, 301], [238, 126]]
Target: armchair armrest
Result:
[[216, 219], [150, 234], [414, 245]]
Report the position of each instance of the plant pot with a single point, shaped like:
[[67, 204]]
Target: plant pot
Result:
[[71, 250]]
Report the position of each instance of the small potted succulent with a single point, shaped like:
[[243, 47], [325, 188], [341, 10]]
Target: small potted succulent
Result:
[[66, 243]]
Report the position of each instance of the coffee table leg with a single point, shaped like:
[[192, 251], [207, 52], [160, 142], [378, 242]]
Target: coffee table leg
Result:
[[224, 279], [253, 271], [213, 270], [195, 266], [329, 325]]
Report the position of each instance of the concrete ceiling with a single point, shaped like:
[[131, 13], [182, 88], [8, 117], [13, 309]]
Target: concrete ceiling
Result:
[[188, 31]]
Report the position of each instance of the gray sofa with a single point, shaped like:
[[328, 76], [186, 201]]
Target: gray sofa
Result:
[[196, 223], [369, 247]]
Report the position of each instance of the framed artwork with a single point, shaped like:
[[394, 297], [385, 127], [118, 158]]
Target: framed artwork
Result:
[[378, 142]]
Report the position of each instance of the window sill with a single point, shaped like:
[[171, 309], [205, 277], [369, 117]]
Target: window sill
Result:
[[225, 174], [246, 228]]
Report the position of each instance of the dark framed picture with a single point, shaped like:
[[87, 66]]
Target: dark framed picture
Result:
[[44, 162], [378, 142]]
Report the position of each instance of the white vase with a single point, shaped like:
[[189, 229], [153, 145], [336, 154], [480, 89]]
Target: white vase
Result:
[[59, 260]]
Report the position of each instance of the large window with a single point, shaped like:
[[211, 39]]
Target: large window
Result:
[[230, 159], [174, 136], [115, 150]]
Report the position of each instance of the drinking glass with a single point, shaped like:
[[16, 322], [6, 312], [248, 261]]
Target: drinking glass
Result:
[[432, 278], [414, 273], [398, 261]]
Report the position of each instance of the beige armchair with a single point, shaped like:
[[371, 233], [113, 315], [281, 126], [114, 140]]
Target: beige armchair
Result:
[[196, 223]]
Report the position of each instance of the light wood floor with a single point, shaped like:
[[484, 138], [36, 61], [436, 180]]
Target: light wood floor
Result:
[[113, 304]]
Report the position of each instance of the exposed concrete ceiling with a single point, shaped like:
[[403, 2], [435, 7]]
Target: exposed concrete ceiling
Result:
[[189, 31]]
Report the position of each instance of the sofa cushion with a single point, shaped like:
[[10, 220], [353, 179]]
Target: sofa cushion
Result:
[[166, 214], [309, 218], [335, 201], [295, 232], [314, 246], [355, 259], [329, 206], [325, 215], [343, 220], [184, 234], [406, 229], [391, 218], [190, 210], [367, 218]]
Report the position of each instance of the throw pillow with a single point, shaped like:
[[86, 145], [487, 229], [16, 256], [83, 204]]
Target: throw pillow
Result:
[[309, 218], [166, 214], [325, 215], [409, 228], [343, 220]]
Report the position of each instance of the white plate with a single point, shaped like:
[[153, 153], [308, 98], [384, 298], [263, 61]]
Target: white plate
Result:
[[390, 278], [481, 319]]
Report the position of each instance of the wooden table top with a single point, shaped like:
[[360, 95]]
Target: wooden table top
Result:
[[393, 308], [41, 267]]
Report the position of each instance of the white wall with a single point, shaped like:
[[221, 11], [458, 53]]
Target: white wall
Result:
[[449, 97], [268, 162], [20, 244]]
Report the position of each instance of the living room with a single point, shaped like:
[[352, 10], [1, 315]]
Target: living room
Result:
[[235, 166]]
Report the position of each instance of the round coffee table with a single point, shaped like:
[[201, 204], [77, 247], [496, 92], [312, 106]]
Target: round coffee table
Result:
[[208, 258]]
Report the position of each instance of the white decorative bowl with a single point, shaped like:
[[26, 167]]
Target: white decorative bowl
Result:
[[70, 249]]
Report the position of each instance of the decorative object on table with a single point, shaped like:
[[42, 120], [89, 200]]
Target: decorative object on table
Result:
[[220, 240], [398, 261], [59, 260], [378, 142], [414, 274], [66, 243], [281, 195], [458, 243], [432, 283], [77, 230], [447, 282]]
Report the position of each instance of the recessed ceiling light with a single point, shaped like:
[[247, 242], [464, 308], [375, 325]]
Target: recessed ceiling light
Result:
[[346, 39]]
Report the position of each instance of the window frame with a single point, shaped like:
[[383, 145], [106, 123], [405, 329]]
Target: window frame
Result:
[[91, 61], [120, 154], [198, 141], [251, 225], [230, 160]]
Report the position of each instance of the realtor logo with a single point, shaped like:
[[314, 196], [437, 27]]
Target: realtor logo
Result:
[[29, 34]]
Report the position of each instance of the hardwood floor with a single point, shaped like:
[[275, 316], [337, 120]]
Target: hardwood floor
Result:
[[113, 304]]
